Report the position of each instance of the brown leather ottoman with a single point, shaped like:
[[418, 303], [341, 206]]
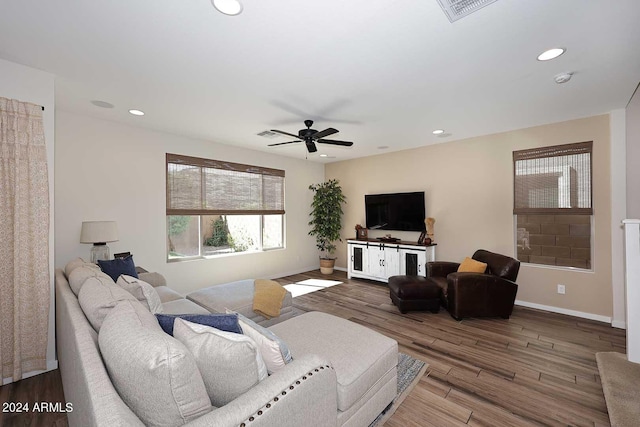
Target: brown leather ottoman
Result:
[[414, 293]]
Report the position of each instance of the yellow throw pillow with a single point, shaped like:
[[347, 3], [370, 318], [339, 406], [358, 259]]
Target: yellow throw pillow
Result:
[[472, 266]]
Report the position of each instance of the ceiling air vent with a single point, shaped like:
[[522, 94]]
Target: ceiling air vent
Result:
[[456, 9], [268, 134]]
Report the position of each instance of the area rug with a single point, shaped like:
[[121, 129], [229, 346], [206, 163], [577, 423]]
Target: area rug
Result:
[[309, 285], [621, 386], [410, 371]]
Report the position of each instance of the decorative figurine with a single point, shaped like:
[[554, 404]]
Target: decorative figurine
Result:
[[428, 222]]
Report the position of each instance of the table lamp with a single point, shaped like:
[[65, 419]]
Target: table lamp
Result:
[[99, 233]]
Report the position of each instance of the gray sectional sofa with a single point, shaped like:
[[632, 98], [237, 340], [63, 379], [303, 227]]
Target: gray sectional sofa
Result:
[[342, 374]]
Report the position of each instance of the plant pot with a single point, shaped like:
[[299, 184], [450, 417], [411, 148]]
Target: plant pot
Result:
[[326, 265]]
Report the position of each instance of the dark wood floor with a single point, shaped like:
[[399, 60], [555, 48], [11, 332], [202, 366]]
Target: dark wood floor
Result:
[[537, 368], [44, 388]]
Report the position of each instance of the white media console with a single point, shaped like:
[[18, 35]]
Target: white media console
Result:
[[376, 260]]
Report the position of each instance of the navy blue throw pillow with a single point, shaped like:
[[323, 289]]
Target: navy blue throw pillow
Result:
[[224, 322], [115, 267]]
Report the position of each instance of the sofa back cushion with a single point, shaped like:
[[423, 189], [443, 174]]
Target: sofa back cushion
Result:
[[230, 363], [80, 274], [98, 296], [155, 374], [153, 278], [72, 265], [498, 265], [144, 292]]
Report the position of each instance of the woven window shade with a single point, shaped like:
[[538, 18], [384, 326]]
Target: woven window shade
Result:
[[198, 186], [553, 180]]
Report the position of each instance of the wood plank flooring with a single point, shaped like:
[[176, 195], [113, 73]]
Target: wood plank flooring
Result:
[[537, 368], [43, 388]]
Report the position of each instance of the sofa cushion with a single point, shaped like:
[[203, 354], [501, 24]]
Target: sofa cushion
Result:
[[98, 296], [230, 363], [72, 265], [182, 306], [165, 293], [223, 322], [82, 273], [115, 267], [273, 350], [155, 374], [359, 355], [472, 266], [144, 292], [238, 296], [152, 278]]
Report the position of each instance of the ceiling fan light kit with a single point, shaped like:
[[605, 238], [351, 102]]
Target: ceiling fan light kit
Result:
[[311, 137]]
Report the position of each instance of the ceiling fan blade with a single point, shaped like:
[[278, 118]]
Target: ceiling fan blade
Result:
[[323, 133], [311, 147], [285, 133], [335, 142], [282, 143]]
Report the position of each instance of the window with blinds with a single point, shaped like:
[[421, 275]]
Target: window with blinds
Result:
[[198, 186], [552, 202], [216, 207]]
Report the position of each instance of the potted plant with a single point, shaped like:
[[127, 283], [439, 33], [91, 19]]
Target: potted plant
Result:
[[326, 218]]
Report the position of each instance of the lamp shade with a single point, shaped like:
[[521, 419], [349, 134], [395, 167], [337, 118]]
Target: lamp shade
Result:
[[99, 232]]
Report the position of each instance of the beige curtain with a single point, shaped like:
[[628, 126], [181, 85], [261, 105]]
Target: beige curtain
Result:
[[24, 239]]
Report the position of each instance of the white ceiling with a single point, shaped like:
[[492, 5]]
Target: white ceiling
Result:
[[383, 72]]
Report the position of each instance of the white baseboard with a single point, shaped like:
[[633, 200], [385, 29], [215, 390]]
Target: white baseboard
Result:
[[620, 324], [51, 365], [341, 268], [582, 314], [296, 271]]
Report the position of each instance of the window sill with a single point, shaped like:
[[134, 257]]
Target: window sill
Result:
[[222, 255], [558, 267]]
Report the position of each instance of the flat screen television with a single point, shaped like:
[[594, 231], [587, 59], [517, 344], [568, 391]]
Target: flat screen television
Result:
[[398, 211]]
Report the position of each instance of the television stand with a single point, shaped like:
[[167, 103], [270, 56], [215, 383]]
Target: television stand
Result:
[[376, 260]]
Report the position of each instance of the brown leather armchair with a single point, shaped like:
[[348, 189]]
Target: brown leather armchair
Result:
[[487, 294]]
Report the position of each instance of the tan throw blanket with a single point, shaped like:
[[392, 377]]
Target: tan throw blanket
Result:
[[268, 297]]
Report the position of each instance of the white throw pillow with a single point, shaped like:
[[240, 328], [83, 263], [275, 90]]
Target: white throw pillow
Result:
[[273, 350], [144, 292], [230, 364], [156, 376]]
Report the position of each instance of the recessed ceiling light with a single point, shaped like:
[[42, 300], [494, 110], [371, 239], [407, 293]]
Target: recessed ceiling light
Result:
[[438, 131], [137, 112], [551, 54], [323, 155], [102, 104], [228, 7]]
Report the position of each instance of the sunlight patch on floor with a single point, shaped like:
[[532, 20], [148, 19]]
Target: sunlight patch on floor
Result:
[[309, 285]]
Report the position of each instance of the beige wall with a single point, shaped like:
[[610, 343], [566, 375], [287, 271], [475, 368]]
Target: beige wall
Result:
[[468, 188], [111, 171], [633, 156]]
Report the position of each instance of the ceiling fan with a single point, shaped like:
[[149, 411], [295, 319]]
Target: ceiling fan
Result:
[[311, 136]]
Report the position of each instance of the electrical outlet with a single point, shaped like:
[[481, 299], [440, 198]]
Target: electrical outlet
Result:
[[561, 289]]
